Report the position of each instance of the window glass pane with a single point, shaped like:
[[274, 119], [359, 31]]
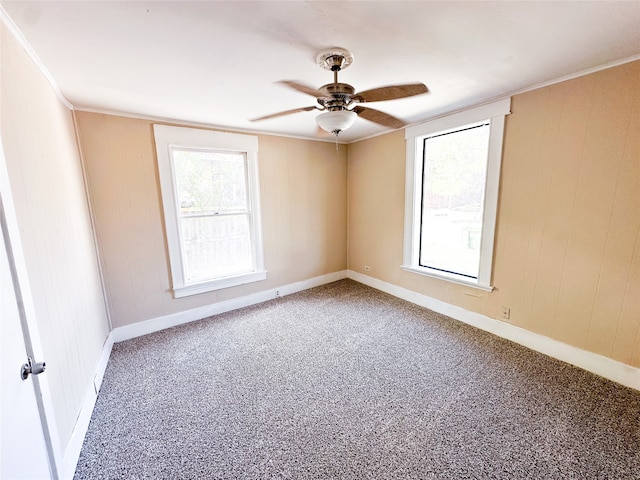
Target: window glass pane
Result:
[[454, 173], [215, 246], [210, 182]]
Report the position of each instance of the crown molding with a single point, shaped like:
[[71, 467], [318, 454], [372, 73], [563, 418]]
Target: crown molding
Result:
[[13, 28], [187, 123], [548, 83], [6, 19]]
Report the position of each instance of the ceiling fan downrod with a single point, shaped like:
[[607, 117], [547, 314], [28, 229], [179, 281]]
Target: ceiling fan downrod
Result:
[[335, 63]]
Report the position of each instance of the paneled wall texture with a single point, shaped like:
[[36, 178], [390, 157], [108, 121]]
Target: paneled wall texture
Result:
[[45, 174], [303, 189], [567, 253]]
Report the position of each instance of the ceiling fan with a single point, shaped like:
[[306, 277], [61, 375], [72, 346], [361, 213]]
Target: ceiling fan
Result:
[[340, 102]]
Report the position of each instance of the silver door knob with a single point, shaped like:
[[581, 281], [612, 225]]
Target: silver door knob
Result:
[[31, 368]]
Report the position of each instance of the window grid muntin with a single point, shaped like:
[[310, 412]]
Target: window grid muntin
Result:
[[167, 136], [190, 275], [189, 279]]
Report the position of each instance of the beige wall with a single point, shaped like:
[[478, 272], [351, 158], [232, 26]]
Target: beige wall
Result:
[[303, 199], [567, 253], [48, 192]]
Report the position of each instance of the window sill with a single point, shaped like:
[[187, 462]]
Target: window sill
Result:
[[234, 281], [449, 277]]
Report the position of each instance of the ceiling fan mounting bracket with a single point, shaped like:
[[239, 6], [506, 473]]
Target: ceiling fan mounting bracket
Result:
[[334, 59]]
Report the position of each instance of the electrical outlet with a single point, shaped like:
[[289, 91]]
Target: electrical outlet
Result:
[[277, 293], [367, 268], [505, 313]]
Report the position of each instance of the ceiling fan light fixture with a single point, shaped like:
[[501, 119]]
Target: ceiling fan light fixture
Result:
[[336, 121]]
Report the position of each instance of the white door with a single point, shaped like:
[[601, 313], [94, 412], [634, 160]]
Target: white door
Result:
[[23, 450]]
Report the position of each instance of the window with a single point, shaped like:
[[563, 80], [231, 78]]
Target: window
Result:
[[209, 185], [453, 173]]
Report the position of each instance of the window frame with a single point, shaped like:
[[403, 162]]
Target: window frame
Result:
[[495, 114], [169, 137]]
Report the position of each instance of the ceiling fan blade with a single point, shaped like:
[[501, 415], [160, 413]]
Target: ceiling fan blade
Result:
[[286, 112], [376, 116], [392, 92], [301, 87]]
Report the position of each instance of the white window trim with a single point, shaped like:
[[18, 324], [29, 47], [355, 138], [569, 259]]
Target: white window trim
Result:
[[414, 136], [167, 137]]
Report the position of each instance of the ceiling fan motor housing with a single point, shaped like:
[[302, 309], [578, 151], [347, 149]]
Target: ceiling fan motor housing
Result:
[[332, 89], [338, 96]]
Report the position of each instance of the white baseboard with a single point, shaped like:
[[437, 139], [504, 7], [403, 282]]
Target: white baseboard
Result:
[[592, 362], [160, 323], [72, 453], [603, 366]]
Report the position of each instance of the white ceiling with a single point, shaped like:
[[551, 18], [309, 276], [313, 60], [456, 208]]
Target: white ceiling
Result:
[[215, 62]]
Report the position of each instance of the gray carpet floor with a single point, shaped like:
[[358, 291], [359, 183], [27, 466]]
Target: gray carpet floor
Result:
[[345, 382]]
